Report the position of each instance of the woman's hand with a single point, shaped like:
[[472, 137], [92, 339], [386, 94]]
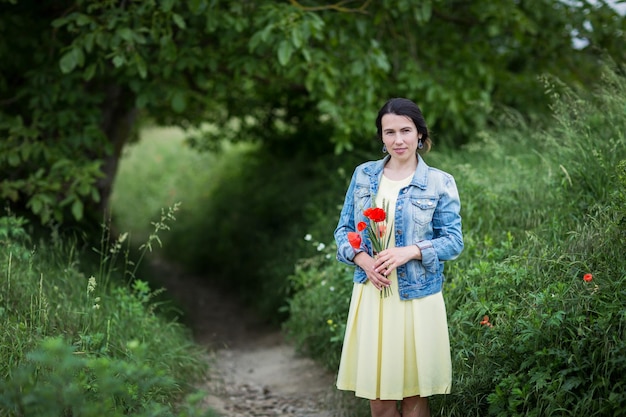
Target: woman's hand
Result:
[[391, 258], [368, 264]]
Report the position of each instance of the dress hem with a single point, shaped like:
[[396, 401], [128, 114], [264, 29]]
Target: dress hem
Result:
[[410, 393]]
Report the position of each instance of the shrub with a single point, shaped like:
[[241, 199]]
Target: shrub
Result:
[[76, 342]]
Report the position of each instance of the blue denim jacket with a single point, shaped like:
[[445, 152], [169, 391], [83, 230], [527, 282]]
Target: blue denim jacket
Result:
[[427, 215]]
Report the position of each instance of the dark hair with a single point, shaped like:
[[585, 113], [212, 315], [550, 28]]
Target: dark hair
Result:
[[404, 107]]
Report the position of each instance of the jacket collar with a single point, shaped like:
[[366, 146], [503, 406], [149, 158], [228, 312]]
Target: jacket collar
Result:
[[420, 178]]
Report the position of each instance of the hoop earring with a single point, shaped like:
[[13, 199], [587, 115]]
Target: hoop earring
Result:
[[384, 148], [420, 144]]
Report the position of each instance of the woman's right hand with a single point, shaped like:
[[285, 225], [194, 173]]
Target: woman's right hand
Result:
[[367, 263]]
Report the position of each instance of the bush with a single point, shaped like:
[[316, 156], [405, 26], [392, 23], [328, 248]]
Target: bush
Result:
[[86, 343]]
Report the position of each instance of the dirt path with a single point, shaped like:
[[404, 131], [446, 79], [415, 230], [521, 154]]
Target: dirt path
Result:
[[254, 371]]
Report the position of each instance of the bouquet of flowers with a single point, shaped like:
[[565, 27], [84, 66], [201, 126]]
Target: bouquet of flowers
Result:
[[377, 229]]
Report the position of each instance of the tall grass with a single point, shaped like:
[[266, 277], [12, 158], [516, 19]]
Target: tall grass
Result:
[[80, 338]]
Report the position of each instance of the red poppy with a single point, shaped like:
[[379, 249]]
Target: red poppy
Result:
[[355, 239], [587, 277], [375, 214], [361, 226], [485, 321]]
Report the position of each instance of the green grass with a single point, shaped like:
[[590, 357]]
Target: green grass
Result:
[[80, 337]]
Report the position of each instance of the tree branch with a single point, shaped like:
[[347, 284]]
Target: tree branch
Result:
[[339, 7], [8, 101]]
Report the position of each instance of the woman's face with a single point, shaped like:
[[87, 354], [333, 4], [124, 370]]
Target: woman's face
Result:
[[400, 136]]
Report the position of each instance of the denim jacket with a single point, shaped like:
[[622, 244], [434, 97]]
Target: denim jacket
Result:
[[427, 214]]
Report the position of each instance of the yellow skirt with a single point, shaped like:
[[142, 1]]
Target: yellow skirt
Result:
[[395, 349]]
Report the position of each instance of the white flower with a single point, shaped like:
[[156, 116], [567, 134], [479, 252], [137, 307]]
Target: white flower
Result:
[[91, 284], [320, 247], [323, 282], [328, 256], [308, 237], [332, 288]]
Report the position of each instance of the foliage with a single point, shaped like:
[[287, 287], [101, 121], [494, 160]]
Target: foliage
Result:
[[78, 339], [77, 74], [54, 381], [319, 309], [541, 210], [243, 214]]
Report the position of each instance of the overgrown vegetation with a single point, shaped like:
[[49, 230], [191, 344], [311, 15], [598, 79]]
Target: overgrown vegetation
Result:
[[76, 76], [88, 338], [244, 210], [543, 206]]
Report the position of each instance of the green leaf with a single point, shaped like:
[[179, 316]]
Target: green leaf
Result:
[[285, 49], [68, 62], [296, 38], [141, 66], [118, 61], [180, 22], [126, 34], [36, 204], [427, 10], [77, 209], [90, 71], [167, 5], [83, 19]]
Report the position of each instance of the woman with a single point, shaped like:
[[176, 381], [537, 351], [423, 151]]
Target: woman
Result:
[[396, 347]]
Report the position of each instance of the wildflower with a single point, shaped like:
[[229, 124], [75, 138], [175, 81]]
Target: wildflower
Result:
[[91, 284], [377, 229], [308, 237], [332, 288], [355, 239], [320, 247], [485, 321], [587, 277], [330, 322], [376, 214]]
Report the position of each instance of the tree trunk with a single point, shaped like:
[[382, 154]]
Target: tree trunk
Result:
[[118, 119]]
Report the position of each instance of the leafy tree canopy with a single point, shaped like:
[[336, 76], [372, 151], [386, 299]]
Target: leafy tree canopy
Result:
[[296, 74]]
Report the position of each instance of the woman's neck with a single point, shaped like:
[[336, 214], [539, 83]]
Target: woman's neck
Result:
[[397, 170]]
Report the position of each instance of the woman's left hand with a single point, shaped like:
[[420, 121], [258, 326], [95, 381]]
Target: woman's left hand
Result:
[[391, 258]]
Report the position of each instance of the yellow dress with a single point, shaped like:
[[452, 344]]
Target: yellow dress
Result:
[[394, 349]]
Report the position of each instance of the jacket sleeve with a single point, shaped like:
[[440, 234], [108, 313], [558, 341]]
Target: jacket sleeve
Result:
[[447, 241], [345, 251]]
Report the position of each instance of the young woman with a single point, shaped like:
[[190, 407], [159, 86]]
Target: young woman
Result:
[[396, 347]]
